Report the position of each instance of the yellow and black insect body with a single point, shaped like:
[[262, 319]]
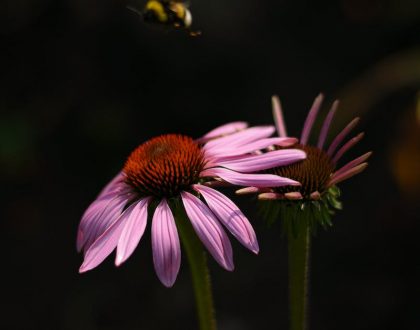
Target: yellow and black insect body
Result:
[[173, 13]]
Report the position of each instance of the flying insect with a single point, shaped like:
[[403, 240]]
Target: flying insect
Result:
[[172, 13]]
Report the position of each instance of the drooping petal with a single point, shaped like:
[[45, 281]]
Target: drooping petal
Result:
[[255, 180], [132, 231], [278, 116], [341, 136], [94, 210], [239, 139], [106, 243], [353, 163], [348, 174], [165, 244], [310, 119], [225, 129], [98, 217], [97, 227], [326, 124], [347, 146], [209, 230], [264, 161], [230, 216], [227, 151], [113, 185]]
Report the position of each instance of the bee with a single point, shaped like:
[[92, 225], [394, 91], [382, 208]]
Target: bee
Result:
[[173, 13]]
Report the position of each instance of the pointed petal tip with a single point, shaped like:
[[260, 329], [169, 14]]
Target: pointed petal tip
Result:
[[253, 246], [119, 261], [83, 269], [255, 249], [229, 267], [168, 283]]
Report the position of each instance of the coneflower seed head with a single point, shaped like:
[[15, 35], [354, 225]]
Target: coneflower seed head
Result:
[[164, 165], [313, 173]]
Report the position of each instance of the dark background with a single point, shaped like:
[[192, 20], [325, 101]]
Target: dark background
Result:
[[83, 82]]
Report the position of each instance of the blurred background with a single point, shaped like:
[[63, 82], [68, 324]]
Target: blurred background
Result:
[[83, 82]]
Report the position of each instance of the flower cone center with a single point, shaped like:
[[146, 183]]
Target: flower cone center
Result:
[[313, 173], [164, 166]]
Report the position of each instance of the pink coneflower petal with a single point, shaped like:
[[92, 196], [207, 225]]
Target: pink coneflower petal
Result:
[[348, 174], [230, 216], [239, 139], [98, 217], [252, 190], [165, 244], [352, 164], [315, 195], [341, 136], [132, 232], [209, 230], [106, 243], [227, 151], [270, 196], [347, 146], [293, 195], [310, 119], [326, 124], [278, 116], [118, 189], [95, 209], [261, 162], [226, 129], [100, 223], [254, 180], [113, 185]]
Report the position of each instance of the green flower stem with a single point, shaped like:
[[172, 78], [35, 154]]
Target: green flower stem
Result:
[[197, 258], [299, 247]]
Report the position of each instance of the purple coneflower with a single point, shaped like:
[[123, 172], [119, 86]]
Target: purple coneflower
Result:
[[301, 208], [175, 168], [318, 173]]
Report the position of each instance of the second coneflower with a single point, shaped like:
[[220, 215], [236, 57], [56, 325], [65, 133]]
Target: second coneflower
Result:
[[301, 208], [318, 174]]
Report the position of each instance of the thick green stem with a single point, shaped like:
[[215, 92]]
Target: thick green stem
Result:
[[299, 247], [197, 258]]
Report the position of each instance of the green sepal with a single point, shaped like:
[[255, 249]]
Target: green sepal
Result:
[[296, 214]]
